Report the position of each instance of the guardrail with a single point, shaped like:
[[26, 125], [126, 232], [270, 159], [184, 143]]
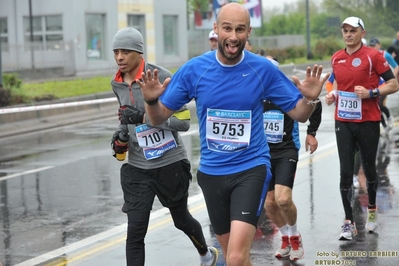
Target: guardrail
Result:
[[24, 119], [54, 106]]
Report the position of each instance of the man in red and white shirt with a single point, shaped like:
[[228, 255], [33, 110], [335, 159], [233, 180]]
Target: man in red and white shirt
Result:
[[357, 69]]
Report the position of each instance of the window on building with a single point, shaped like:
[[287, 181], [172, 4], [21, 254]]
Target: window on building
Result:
[[138, 22], [4, 35], [170, 35], [46, 32], [95, 36]]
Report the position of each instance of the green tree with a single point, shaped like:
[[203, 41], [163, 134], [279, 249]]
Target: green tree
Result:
[[285, 24], [319, 26], [380, 20], [380, 16], [193, 5], [393, 5], [392, 14]]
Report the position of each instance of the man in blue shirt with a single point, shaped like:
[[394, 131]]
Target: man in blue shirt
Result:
[[375, 43], [229, 86]]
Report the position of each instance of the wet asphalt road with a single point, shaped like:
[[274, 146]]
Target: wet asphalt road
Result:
[[60, 202]]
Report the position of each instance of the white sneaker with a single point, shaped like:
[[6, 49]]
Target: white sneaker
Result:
[[215, 255], [372, 221], [297, 251], [348, 231], [284, 250]]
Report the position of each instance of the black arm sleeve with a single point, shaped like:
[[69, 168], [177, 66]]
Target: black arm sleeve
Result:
[[388, 75], [315, 120]]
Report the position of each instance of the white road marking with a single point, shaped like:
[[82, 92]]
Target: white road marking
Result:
[[26, 173]]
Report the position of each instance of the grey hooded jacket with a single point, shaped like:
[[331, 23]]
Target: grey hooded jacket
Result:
[[130, 94]]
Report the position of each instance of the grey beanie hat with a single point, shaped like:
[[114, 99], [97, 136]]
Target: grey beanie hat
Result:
[[128, 39]]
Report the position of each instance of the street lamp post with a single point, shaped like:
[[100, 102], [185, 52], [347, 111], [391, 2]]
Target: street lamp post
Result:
[[31, 35], [309, 53], [1, 69]]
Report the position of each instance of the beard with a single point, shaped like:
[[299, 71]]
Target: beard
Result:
[[231, 56]]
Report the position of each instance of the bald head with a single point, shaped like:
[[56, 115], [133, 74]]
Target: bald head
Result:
[[233, 11], [233, 29]]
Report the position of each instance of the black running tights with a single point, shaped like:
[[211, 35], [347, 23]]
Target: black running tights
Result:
[[138, 225], [366, 135]]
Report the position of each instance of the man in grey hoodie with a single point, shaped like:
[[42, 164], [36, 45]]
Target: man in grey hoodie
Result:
[[157, 160]]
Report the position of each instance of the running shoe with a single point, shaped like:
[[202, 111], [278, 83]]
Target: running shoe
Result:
[[348, 231], [297, 251], [284, 250], [372, 222], [215, 255]]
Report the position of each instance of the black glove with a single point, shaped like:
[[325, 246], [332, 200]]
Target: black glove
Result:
[[119, 145], [130, 115]]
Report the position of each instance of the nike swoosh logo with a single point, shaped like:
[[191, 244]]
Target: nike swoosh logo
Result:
[[245, 213], [244, 75]]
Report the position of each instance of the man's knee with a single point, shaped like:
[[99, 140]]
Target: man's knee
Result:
[[283, 197]]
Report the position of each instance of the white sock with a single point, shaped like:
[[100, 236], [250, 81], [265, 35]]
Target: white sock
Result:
[[292, 230], [207, 258], [284, 230]]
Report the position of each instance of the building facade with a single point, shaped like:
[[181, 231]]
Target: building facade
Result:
[[163, 25], [76, 35]]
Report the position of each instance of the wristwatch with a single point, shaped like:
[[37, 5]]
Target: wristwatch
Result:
[[313, 133]]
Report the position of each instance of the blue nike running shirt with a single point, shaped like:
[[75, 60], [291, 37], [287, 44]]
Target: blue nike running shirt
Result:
[[241, 87]]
